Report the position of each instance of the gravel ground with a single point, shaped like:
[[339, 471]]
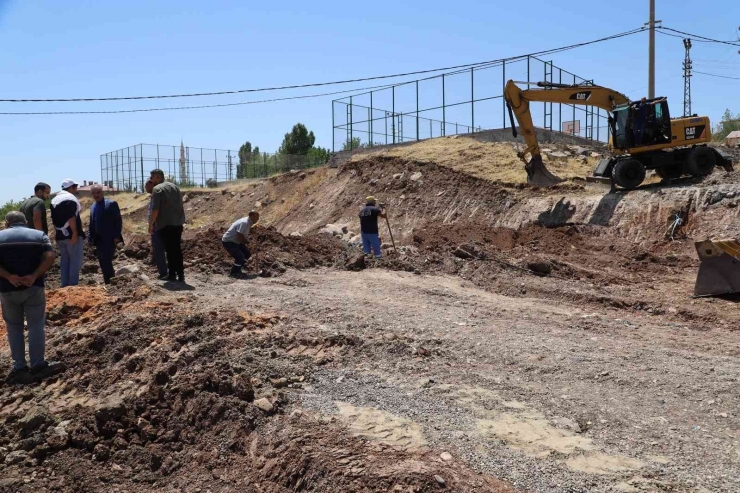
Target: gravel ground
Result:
[[550, 397]]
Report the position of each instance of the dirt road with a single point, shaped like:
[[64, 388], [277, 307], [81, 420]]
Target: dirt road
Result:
[[546, 396]]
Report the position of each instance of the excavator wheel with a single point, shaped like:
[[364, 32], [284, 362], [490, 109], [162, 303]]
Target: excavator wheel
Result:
[[701, 161], [628, 173], [669, 172]]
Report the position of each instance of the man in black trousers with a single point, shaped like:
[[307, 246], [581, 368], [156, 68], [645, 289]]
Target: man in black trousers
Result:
[[167, 219]]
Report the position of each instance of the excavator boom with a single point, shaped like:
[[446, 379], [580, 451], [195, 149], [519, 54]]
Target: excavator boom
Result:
[[518, 101]]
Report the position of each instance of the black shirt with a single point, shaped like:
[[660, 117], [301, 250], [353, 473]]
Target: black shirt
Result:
[[60, 214], [31, 205], [21, 252], [369, 219]]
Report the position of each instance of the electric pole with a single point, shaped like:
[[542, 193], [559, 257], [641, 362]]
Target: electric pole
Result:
[[687, 79], [651, 49]]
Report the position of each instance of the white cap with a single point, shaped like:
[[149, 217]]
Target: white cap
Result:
[[68, 183]]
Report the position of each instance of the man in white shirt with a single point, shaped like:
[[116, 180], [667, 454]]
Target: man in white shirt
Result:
[[235, 241]]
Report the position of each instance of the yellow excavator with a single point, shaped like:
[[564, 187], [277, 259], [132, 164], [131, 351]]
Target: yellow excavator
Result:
[[642, 135]]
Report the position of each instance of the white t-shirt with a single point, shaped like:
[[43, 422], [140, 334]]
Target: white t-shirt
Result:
[[242, 226]]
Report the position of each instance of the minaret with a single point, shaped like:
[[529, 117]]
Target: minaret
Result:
[[183, 164]]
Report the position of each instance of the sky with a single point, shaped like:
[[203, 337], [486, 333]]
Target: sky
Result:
[[53, 49]]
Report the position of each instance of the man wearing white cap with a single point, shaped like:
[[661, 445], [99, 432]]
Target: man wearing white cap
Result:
[[65, 214]]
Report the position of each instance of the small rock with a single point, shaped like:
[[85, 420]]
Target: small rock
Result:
[[264, 405], [257, 204], [374, 182], [311, 206], [398, 176], [542, 268], [340, 379], [440, 480], [102, 453], [243, 388], [296, 234], [185, 199], [34, 419], [722, 415], [345, 229], [595, 155], [416, 176], [446, 456], [15, 457], [356, 263], [128, 269], [279, 383]]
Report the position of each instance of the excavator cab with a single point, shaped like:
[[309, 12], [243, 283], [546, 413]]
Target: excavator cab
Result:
[[640, 124]]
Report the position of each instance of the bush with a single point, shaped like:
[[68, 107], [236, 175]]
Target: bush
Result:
[[211, 183]]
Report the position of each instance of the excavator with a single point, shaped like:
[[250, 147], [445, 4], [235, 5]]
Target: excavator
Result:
[[642, 135]]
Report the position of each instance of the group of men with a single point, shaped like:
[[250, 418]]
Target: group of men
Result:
[[26, 254]]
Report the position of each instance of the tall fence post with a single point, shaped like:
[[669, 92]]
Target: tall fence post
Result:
[[372, 140], [503, 102], [472, 100], [141, 156], [333, 127], [417, 110], [444, 119], [351, 130], [393, 112]]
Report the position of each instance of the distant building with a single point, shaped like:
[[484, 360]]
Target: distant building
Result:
[[733, 140]]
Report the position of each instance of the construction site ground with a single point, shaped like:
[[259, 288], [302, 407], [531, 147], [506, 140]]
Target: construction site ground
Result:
[[519, 340]]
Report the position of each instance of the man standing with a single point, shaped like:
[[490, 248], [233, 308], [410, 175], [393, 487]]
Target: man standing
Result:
[[369, 226], [235, 241], [25, 256], [34, 208], [65, 214], [105, 231], [157, 246], [167, 219]]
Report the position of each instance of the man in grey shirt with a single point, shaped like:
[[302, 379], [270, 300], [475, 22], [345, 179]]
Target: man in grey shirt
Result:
[[167, 219], [235, 241]]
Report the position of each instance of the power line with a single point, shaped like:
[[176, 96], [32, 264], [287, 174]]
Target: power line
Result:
[[696, 37], [717, 75], [318, 84], [144, 110]]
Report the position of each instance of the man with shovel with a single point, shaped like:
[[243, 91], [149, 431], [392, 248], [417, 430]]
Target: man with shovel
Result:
[[369, 226]]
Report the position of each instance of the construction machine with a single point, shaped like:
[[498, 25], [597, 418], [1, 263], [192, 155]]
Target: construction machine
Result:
[[642, 135], [719, 271]]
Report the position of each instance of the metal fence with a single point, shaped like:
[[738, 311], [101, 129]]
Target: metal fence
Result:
[[464, 101], [128, 169]]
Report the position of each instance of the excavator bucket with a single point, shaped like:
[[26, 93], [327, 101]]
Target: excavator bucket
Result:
[[538, 175], [719, 271]]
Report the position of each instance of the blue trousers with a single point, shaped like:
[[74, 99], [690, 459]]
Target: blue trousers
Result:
[[239, 251], [371, 240], [160, 259], [71, 263], [28, 304]]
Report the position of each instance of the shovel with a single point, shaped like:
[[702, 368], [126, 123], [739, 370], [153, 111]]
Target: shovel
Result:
[[388, 223]]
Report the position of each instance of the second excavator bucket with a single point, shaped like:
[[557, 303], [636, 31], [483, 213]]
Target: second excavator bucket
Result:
[[719, 271], [538, 175]]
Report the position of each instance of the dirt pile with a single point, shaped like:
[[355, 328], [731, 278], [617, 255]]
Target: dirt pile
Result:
[[158, 396], [272, 252]]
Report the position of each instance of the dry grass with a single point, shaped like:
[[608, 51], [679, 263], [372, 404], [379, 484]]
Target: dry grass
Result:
[[490, 161], [302, 190]]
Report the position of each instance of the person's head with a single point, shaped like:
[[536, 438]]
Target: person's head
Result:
[[15, 218], [157, 176], [97, 192], [370, 200], [42, 190], [149, 186], [70, 186], [643, 100], [254, 216]]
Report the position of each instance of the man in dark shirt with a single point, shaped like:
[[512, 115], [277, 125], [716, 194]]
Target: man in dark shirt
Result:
[[34, 208], [369, 226], [65, 214], [168, 218], [160, 260], [105, 231], [25, 256]]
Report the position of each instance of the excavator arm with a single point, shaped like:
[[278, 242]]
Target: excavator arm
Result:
[[518, 101]]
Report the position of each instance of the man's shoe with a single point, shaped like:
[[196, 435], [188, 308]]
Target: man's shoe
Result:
[[19, 377], [236, 271], [181, 278], [47, 369], [164, 277]]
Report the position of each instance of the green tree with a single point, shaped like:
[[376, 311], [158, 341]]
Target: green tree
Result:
[[729, 123], [245, 154], [10, 205], [298, 142], [352, 144], [317, 156]]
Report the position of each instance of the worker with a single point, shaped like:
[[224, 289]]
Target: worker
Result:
[[34, 208], [369, 226], [640, 120], [65, 214], [167, 219], [160, 260], [105, 231], [25, 256], [235, 241]]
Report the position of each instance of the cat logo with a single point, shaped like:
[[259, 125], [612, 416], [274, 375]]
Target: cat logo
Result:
[[692, 133], [581, 96]]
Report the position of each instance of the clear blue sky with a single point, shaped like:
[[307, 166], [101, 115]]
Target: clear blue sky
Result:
[[95, 49]]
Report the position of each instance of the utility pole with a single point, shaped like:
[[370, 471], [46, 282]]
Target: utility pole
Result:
[[687, 79], [651, 50]]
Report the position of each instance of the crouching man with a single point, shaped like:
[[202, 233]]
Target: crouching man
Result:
[[235, 241], [25, 256]]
